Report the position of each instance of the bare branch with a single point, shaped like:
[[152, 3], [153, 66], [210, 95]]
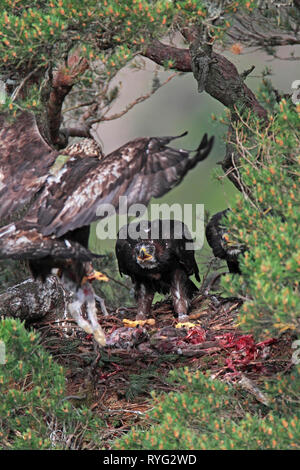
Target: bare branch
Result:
[[17, 91], [138, 100], [62, 83], [256, 30]]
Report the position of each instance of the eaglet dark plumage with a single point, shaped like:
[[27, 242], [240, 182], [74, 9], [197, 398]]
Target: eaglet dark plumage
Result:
[[217, 238], [159, 257]]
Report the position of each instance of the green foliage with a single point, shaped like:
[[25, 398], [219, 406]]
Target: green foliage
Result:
[[209, 414], [39, 35], [140, 383], [267, 223], [34, 410]]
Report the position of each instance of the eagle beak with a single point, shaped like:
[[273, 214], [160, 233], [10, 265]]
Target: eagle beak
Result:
[[144, 255], [96, 275]]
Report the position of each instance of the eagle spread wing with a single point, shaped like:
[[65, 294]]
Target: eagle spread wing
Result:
[[139, 170], [158, 255]]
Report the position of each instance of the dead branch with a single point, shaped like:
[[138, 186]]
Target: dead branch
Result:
[[255, 31], [131, 105], [251, 387], [18, 90]]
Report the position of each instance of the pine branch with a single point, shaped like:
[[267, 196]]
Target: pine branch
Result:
[[223, 81]]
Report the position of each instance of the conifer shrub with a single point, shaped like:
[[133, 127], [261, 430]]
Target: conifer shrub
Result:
[[267, 221], [210, 414], [35, 32], [35, 412]]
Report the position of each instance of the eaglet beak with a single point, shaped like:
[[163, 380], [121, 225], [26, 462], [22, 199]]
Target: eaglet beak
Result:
[[96, 275], [144, 255]]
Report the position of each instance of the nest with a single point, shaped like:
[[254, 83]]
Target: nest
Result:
[[116, 381]]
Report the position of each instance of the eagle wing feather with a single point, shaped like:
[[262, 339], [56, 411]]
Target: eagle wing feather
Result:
[[140, 170], [25, 160]]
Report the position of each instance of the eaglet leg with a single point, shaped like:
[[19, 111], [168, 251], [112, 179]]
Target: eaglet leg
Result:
[[180, 292], [144, 296]]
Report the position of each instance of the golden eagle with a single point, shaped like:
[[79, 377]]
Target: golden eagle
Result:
[[158, 255], [58, 193], [217, 238]]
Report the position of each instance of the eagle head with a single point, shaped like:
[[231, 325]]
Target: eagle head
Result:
[[145, 255]]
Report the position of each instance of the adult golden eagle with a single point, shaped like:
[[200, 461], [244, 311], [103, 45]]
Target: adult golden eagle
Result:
[[58, 199], [158, 255]]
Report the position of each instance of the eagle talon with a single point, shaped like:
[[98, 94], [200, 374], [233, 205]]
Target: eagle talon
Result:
[[96, 275], [138, 322], [185, 324]]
